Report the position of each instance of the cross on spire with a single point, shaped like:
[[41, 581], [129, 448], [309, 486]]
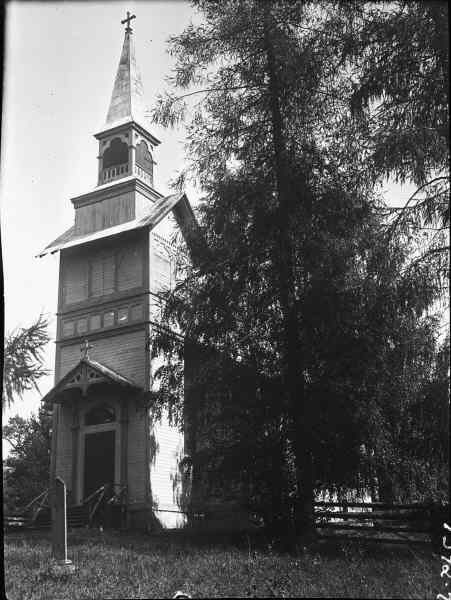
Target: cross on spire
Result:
[[127, 20], [84, 349]]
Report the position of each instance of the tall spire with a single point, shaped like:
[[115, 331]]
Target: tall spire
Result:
[[127, 99]]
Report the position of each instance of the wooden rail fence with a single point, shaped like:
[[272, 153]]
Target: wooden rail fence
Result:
[[379, 522], [365, 521]]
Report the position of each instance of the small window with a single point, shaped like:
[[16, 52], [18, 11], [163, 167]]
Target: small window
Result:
[[108, 319], [136, 312], [122, 315], [102, 413], [94, 322], [68, 328], [82, 325]]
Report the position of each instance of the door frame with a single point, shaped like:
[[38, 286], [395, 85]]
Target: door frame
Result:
[[86, 430], [100, 459]]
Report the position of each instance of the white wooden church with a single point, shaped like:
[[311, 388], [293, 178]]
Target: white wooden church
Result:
[[115, 260]]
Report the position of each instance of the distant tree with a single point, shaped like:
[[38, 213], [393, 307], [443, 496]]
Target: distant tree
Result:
[[23, 360], [28, 463]]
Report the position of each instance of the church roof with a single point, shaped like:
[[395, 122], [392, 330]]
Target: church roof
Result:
[[177, 202], [127, 99], [86, 373]]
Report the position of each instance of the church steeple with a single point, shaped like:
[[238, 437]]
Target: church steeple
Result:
[[127, 99], [125, 144]]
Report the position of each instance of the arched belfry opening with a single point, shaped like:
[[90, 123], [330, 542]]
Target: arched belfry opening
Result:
[[115, 160], [144, 159]]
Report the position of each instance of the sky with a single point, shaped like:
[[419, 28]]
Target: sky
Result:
[[60, 63]]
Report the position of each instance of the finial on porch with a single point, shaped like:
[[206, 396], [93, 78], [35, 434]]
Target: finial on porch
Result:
[[84, 349]]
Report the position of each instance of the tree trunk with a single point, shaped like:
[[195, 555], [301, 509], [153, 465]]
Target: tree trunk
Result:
[[293, 378], [385, 486]]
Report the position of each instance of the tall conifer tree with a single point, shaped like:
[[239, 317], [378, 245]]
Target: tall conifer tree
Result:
[[298, 280]]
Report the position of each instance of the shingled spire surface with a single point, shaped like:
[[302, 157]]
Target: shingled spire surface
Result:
[[127, 99]]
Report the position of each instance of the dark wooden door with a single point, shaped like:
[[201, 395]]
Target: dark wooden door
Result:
[[99, 460]]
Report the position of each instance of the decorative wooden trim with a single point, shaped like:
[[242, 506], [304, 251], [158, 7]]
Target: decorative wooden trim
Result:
[[95, 303], [115, 188], [99, 334], [85, 378], [131, 124]]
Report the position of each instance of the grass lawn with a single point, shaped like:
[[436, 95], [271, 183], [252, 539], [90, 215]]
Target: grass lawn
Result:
[[112, 565]]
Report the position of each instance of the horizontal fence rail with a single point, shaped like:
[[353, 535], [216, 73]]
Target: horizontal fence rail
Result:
[[375, 521], [364, 521]]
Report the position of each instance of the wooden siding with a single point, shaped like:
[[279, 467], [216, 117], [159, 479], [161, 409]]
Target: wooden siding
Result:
[[74, 272], [165, 480], [102, 269], [143, 205], [166, 227], [154, 449], [105, 213], [102, 273], [161, 264], [166, 449], [129, 267], [124, 353], [136, 453]]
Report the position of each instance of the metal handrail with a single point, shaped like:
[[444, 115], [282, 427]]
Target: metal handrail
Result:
[[91, 496], [45, 492], [40, 507], [93, 512], [117, 495]]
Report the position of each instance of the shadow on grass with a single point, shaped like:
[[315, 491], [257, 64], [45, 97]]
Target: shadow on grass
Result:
[[254, 540]]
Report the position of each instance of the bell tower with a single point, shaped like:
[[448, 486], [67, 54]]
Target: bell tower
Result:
[[125, 145], [115, 262]]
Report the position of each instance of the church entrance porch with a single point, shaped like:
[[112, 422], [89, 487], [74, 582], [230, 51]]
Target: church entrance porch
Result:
[[94, 409]]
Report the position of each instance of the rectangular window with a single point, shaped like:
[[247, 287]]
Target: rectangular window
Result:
[[129, 268], [122, 315], [94, 322], [68, 328], [82, 325], [75, 281], [108, 318], [101, 275], [136, 312]]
